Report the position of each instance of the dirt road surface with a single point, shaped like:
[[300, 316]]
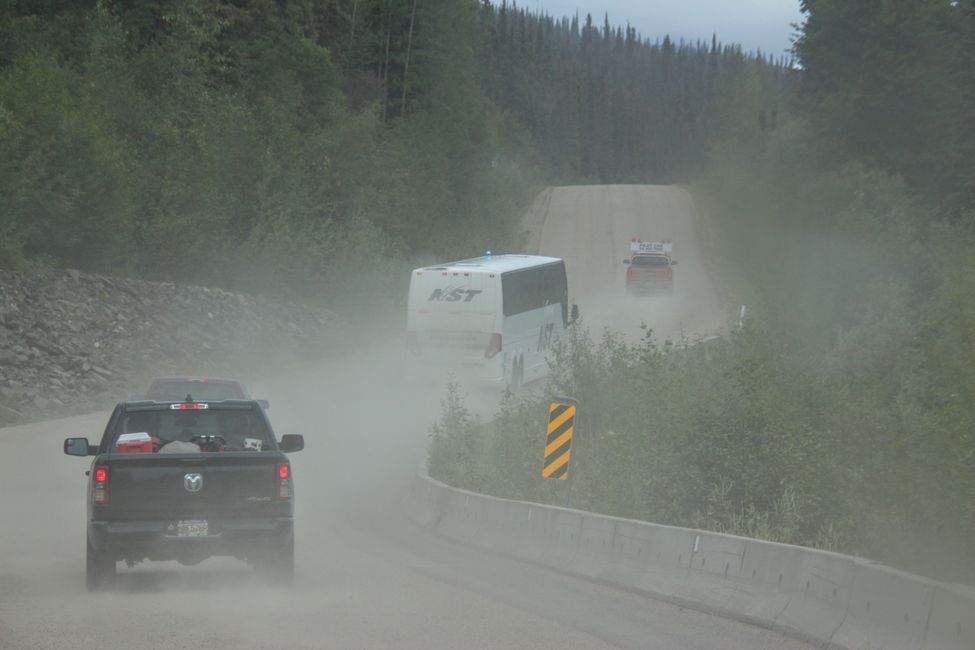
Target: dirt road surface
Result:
[[366, 577], [591, 228]]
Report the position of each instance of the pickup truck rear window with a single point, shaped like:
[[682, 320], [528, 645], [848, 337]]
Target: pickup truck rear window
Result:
[[650, 260], [188, 431], [176, 391]]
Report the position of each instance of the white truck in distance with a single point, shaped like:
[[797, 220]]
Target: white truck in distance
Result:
[[495, 315]]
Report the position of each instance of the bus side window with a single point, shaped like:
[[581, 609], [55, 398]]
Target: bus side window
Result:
[[534, 288]]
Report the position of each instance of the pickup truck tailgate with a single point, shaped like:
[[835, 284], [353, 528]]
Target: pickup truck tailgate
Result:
[[190, 486]]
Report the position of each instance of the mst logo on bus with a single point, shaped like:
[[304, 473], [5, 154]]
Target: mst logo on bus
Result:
[[453, 294]]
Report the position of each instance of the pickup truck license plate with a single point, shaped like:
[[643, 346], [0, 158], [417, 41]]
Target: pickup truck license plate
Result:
[[192, 528]]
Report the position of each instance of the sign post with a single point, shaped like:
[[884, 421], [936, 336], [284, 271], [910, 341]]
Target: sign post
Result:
[[558, 439]]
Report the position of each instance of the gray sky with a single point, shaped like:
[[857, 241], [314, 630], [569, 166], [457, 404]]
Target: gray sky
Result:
[[764, 24]]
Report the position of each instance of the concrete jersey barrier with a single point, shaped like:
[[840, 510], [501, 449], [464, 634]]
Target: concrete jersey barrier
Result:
[[836, 600]]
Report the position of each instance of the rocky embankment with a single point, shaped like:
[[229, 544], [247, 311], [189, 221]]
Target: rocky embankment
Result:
[[72, 341]]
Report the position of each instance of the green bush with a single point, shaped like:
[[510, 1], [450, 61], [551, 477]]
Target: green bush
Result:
[[865, 292], [663, 430]]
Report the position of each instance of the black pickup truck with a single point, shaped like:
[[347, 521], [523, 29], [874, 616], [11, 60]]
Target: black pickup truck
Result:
[[186, 481]]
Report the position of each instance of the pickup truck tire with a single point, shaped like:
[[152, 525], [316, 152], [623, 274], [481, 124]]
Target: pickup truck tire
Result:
[[278, 566], [99, 569]]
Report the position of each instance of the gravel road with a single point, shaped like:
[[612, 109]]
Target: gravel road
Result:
[[591, 227], [366, 578]]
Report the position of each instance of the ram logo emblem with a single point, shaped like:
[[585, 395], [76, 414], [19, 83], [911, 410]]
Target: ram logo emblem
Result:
[[193, 482]]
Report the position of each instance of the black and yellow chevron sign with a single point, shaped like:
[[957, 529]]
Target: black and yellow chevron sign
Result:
[[558, 442]]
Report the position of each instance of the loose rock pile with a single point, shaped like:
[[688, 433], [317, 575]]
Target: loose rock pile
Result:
[[72, 341]]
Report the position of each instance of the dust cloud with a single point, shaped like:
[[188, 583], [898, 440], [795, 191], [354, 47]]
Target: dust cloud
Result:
[[674, 318], [365, 576], [591, 228], [366, 430]]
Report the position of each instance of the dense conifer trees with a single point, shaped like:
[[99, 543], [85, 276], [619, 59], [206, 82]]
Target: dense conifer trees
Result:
[[306, 135]]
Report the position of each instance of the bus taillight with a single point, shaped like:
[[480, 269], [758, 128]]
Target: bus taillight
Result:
[[493, 347]]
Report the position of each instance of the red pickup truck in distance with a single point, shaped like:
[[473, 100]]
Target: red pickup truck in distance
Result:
[[650, 267]]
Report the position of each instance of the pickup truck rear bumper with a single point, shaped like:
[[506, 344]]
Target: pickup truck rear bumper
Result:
[[650, 286], [159, 540]]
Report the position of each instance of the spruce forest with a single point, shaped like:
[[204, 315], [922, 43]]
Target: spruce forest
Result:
[[309, 137]]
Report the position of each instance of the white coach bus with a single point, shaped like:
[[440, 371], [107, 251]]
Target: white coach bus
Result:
[[496, 315]]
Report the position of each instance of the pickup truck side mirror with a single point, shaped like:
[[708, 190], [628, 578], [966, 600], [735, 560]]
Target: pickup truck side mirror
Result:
[[263, 403], [673, 262], [292, 442], [626, 261], [79, 447]]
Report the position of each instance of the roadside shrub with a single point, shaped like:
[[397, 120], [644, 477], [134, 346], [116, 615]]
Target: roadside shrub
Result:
[[666, 432]]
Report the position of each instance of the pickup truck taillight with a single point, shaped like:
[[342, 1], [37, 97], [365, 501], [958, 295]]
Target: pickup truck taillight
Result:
[[99, 487], [284, 481]]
